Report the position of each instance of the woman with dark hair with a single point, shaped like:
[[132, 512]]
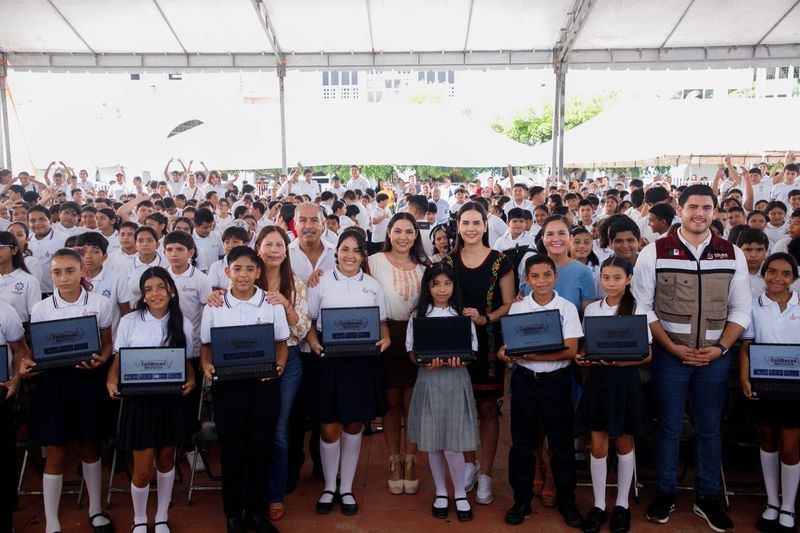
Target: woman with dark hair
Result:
[[18, 288], [151, 427], [487, 290], [399, 268], [183, 224], [348, 390], [440, 238], [22, 233]]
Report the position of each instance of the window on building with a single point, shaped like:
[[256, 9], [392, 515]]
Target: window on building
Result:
[[770, 73], [451, 76], [334, 77], [796, 74], [708, 93], [783, 73], [354, 77], [430, 76], [346, 77], [325, 77]]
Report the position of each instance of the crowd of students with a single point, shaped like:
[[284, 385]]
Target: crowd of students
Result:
[[164, 262]]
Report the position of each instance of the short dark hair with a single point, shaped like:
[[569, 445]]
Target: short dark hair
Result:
[[776, 204], [656, 194], [516, 212], [203, 216], [752, 235], [539, 259], [93, 238], [622, 225], [71, 206], [40, 209], [792, 167], [663, 212], [382, 196], [419, 202], [697, 190], [235, 233], [179, 237]]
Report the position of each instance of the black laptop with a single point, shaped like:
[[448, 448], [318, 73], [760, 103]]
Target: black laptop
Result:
[[64, 343], [4, 372], [442, 338], [350, 331], [616, 338], [151, 371], [243, 352], [775, 370], [532, 333]]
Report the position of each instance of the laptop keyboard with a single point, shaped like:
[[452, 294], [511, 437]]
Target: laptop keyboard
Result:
[[60, 363], [353, 349], [777, 387], [257, 370], [153, 390]]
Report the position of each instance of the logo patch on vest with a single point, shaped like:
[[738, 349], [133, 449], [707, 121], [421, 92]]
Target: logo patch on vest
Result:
[[673, 252]]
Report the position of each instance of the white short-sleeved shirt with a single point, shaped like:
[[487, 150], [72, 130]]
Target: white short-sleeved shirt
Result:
[[34, 266], [770, 325], [337, 290], [570, 326], [87, 304], [235, 312], [506, 241], [301, 265], [216, 273], [21, 291], [113, 286], [119, 261], [11, 330], [69, 232], [135, 271], [209, 249], [379, 229], [193, 290], [43, 250], [437, 312], [141, 329], [776, 234], [113, 241]]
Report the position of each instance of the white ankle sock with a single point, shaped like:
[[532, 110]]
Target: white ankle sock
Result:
[[93, 477], [329, 456], [139, 496], [51, 487], [599, 471], [351, 449], [436, 463], [770, 468], [625, 467], [165, 482], [790, 477]]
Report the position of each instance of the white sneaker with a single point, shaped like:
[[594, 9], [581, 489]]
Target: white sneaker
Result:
[[190, 458], [471, 475], [484, 495]]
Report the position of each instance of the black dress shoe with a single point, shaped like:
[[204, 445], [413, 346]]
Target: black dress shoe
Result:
[[463, 516], [106, 528], [348, 509], [260, 524], [518, 513], [620, 520], [572, 516], [235, 526], [594, 520], [326, 507], [767, 526], [440, 512]]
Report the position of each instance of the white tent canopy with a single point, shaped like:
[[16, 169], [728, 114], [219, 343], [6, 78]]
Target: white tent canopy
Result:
[[674, 132]]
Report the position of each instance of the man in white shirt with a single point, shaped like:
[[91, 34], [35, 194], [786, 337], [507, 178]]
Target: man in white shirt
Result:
[[119, 188], [357, 181], [299, 187], [379, 219], [442, 207], [336, 187]]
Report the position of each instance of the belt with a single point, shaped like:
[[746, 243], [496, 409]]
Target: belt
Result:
[[542, 375]]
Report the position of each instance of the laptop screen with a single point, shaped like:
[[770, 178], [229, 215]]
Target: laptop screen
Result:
[[442, 335], [55, 339], [152, 365], [775, 361], [350, 325], [4, 363], [616, 335], [532, 330], [236, 345]]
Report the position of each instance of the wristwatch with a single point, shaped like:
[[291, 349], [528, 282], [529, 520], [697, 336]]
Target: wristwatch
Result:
[[722, 349]]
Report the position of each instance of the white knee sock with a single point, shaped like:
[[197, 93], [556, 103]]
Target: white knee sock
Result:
[[139, 496], [436, 463], [51, 487], [457, 466], [790, 477], [329, 456], [625, 467], [770, 467], [599, 471], [351, 449], [165, 482], [93, 477]]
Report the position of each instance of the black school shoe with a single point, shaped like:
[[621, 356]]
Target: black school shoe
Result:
[[594, 520], [658, 512], [518, 513], [325, 507], [348, 509], [572, 516], [440, 512], [620, 520], [463, 516], [235, 525], [260, 524], [780, 528], [105, 528], [711, 511], [767, 526]]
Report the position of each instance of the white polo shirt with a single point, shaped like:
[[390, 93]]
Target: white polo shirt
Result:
[[776, 234], [235, 312], [119, 261], [193, 290], [379, 229], [113, 241], [526, 204], [507, 241], [437, 312], [87, 304], [216, 274], [141, 329], [69, 232], [770, 325], [570, 327], [360, 182], [135, 272], [337, 290], [43, 250], [11, 331], [209, 249], [302, 266], [114, 286], [21, 291], [34, 267]]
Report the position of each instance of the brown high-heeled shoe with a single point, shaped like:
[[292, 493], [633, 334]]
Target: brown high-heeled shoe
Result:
[[410, 486], [395, 463]]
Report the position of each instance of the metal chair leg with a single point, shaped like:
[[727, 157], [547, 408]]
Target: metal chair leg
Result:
[[724, 487], [114, 455]]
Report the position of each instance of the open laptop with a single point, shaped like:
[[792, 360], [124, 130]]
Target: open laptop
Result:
[[443, 337], [775, 370], [616, 338], [350, 331], [532, 333], [64, 343], [150, 371], [243, 352]]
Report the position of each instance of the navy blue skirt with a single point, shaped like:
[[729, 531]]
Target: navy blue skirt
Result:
[[612, 401]]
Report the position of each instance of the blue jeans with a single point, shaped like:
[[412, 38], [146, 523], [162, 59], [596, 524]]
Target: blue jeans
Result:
[[279, 465], [707, 387]]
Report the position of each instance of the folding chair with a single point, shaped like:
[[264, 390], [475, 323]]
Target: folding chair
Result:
[[207, 434], [25, 492]]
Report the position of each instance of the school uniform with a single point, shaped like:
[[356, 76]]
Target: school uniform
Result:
[[209, 249], [135, 271], [113, 286], [217, 276], [541, 392], [151, 421], [119, 261], [69, 404], [612, 399], [506, 241], [775, 234], [21, 291], [442, 413], [347, 389], [43, 250], [34, 267], [113, 241], [246, 411], [194, 287], [11, 331]]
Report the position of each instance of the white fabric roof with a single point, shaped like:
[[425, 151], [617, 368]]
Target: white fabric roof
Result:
[[673, 132], [169, 34]]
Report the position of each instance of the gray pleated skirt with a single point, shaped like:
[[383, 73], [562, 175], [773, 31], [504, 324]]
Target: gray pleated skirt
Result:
[[442, 414]]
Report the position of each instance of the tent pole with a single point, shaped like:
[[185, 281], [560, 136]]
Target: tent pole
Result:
[[561, 117], [281, 78], [556, 109], [5, 153]]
